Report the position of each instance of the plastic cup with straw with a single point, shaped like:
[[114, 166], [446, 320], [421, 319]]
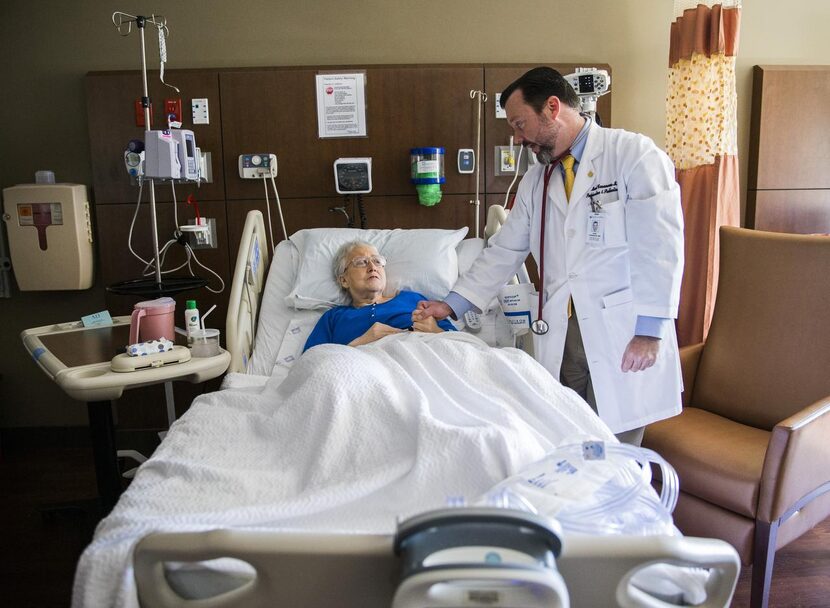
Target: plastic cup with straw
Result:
[[205, 342]]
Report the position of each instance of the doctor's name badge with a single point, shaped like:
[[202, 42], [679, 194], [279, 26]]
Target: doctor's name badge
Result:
[[598, 195]]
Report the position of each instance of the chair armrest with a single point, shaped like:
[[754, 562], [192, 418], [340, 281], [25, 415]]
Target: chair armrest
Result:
[[797, 460], [689, 360]]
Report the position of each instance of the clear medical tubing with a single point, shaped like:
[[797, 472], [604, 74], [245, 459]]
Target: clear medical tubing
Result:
[[615, 497]]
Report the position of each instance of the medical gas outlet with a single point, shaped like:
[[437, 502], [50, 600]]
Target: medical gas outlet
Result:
[[257, 166]]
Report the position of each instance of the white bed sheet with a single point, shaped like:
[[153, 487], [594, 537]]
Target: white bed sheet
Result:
[[351, 439]]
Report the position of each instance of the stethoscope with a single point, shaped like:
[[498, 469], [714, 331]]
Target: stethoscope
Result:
[[540, 327]]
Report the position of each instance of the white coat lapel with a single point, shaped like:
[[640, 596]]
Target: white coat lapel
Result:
[[586, 173]]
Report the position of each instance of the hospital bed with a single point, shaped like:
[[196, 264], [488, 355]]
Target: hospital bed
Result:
[[285, 487]]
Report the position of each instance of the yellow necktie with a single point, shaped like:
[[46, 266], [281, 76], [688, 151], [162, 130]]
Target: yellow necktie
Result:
[[568, 165]]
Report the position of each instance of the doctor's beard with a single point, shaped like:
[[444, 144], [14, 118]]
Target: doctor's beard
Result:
[[545, 155]]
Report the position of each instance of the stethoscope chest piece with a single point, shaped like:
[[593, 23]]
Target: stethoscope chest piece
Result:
[[539, 327]]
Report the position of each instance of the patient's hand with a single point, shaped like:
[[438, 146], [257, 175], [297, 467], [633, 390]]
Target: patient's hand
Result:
[[428, 325], [375, 332], [438, 310]]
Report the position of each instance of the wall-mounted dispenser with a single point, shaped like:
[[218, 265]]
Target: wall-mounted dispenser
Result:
[[427, 174], [50, 236]]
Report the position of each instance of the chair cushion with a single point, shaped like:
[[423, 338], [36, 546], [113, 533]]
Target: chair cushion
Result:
[[716, 459]]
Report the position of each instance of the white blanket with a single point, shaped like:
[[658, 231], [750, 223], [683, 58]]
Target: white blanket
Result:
[[348, 441]]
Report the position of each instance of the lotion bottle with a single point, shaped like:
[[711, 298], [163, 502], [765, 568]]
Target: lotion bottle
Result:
[[191, 318]]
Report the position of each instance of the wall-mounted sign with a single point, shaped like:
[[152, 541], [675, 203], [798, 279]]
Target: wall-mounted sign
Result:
[[341, 105]]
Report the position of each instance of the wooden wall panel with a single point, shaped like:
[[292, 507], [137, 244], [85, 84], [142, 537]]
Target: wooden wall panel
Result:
[[111, 100], [407, 106], [788, 185], [795, 211], [793, 149], [454, 211]]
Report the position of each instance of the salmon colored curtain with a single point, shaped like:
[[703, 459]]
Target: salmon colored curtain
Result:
[[701, 138]]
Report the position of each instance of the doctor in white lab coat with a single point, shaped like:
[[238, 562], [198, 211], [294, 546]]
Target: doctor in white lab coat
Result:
[[614, 249]]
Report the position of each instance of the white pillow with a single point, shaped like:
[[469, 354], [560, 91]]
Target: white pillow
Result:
[[468, 251], [421, 260]]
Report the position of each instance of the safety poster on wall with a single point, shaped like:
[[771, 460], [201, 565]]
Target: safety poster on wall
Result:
[[341, 105]]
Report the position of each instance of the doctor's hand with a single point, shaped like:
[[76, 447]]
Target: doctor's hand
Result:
[[640, 354], [428, 325], [375, 332], [436, 310]]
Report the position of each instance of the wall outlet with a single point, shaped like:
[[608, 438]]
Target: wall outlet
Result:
[[505, 161], [199, 111]]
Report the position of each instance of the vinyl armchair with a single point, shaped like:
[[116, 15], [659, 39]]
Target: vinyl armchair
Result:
[[752, 445]]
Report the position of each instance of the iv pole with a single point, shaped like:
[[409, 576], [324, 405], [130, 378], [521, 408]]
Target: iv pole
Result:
[[482, 97], [123, 23], [145, 103]]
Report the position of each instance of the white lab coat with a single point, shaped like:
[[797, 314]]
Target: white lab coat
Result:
[[636, 270]]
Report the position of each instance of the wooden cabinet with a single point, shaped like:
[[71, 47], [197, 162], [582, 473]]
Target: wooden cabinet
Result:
[[788, 186]]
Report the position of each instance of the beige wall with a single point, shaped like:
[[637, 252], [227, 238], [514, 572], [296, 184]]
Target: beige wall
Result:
[[48, 46]]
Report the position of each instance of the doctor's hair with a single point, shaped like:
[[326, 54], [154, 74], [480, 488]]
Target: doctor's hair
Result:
[[341, 258], [538, 85]]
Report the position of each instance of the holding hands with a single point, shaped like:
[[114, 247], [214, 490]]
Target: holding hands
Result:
[[424, 319], [435, 310]]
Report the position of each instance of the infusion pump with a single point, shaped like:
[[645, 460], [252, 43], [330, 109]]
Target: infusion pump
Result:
[[165, 154]]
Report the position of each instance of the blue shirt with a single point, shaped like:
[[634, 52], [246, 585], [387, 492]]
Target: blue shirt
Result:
[[342, 324]]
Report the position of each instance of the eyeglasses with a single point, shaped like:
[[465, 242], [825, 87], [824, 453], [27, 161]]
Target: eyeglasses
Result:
[[363, 261]]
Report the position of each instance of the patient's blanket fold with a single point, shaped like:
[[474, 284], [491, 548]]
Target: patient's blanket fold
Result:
[[351, 439]]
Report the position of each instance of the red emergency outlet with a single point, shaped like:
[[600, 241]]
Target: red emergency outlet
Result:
[[173, 109], [139, 114]]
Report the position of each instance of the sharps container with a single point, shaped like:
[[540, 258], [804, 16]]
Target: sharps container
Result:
[[427, 174]]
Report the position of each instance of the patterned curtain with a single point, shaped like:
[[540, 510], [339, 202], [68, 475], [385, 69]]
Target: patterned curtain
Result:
[[701, 138]]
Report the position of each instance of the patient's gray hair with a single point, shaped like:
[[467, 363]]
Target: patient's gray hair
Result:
[[341, 258]]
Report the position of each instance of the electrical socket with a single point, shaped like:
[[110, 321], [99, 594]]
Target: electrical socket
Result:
[[505, 161], [204, 238]]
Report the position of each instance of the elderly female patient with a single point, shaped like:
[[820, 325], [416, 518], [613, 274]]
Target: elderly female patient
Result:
[[359, 270]]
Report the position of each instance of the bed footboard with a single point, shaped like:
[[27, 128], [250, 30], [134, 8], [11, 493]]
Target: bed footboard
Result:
[[319, 570]]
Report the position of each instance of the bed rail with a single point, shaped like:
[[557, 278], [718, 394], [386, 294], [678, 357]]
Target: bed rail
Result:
[[248, 283], [318, 570]]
